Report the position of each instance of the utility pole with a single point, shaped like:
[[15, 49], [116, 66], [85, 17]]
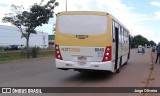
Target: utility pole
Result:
[[43, 40], [66, 5]]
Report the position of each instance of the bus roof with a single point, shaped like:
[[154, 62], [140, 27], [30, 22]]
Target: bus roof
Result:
[[82, 12]]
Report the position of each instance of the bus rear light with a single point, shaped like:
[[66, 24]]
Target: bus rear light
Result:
[[59, 56], [108, 49], [57, 52], [107, 54]]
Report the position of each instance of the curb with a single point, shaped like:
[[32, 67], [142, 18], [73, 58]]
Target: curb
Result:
[[151, 73]]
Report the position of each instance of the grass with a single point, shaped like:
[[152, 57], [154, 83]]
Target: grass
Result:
[[17, 55], [10, 56], [46, 53]]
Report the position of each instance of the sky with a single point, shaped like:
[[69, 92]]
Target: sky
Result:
[[141, 17]]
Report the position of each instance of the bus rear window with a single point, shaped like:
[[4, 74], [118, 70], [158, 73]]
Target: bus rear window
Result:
[[82, 24]]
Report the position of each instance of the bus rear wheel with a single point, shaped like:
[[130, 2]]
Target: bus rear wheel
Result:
[[118, 70]]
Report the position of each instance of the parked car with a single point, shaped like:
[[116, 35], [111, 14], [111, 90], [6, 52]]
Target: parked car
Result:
[[148, 46], [20, 47], [11, 47], [141, 49]]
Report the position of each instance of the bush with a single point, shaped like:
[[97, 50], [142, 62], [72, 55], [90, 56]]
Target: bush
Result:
[[34, 52], [1, 48], [23, 53]]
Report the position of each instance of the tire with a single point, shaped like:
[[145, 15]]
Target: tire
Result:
[[118, 70], [126, 62]]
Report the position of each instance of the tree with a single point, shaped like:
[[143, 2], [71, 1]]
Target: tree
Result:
[[54, 27], [152, 43], [140, 40], [27, 21]]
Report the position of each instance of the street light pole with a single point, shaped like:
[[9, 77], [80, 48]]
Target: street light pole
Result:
[[66, 5]]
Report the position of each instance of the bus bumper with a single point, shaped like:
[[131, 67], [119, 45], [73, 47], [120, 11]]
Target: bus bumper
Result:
[[105, 66]]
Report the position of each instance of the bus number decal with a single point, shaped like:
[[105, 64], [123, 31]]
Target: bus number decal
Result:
[[99, 52], [99, 49], [65, 49], [71, 49]]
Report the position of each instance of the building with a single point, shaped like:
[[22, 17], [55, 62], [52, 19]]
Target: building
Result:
[[51, 41], [10, 35]]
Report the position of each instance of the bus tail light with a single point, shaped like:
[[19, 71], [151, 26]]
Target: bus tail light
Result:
[[107, 54], [57, 52]]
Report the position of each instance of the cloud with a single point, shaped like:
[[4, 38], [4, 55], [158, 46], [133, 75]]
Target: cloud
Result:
[[157, 15], [46, 28], [135, 22], [155, 3], [5, 5], [125, 13], [117, 8]]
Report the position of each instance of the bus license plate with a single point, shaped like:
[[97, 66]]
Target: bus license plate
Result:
[[82, 60], [81, 63]]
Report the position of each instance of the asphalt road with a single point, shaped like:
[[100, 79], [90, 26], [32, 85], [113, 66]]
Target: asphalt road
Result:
[[41, 72]]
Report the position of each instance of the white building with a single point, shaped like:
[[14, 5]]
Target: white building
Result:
[[10, 35]]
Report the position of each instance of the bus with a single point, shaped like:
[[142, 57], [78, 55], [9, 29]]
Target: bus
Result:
[[90, 41]]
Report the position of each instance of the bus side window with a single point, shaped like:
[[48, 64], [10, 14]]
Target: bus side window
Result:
[[113, 31], [116, 32], [125, 36], [122, 35], [119, 31]]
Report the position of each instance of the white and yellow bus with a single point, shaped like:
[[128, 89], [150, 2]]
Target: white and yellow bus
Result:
[[88, 40]]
